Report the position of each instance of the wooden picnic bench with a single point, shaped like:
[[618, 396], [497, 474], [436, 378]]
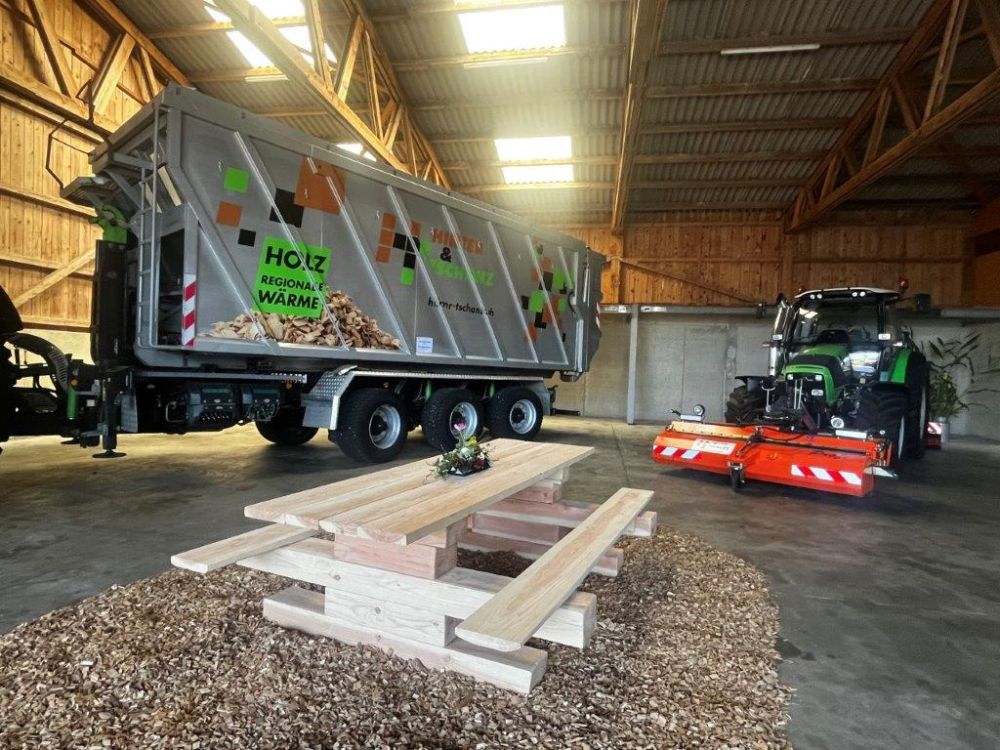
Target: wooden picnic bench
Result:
[[390, 574]]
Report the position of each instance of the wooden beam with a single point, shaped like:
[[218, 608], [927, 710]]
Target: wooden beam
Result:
[[52, 46], [31, 88], [989, 14], [259, 30], [345, 68], [878, 128], [314, 21], [34, 264], [105, 83], [731, 293], [51, 279], [116, 18], [8, 96], [945, 58], [48, 201], [941, 22], [646, 19]]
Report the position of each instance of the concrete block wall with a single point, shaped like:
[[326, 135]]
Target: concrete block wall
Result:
[[687, 359]]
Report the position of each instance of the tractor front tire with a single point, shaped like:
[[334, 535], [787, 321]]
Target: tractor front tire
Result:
[[885, 412], [285, 428], [745, 406]]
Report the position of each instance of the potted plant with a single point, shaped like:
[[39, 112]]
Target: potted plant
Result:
[[947, 360], [468, 457]]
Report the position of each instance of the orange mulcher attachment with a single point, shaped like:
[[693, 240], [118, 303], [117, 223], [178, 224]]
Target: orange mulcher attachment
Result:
[[832, 463]]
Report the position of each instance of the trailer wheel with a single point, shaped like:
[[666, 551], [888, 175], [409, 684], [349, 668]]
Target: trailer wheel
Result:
[[449, 414], [285, 428], [514, 412], [885, 411], [372, 426]]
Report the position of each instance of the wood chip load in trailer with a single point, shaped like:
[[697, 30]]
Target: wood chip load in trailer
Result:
[[252, 273]]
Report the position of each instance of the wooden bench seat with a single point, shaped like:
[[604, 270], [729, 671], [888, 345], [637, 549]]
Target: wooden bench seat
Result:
[[513, 615], [228, 551]]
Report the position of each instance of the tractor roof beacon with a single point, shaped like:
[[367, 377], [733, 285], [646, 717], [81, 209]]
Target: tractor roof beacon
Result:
[[843, 375]]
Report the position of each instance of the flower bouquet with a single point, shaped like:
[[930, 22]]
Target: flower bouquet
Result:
[[468, 457]]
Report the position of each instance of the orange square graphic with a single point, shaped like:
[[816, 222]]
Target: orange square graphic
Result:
[[229, 214], [322, 189]]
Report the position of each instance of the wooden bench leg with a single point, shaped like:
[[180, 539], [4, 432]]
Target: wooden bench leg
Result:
[[456, 594], [423, 560], [303, 610], [398, 620]]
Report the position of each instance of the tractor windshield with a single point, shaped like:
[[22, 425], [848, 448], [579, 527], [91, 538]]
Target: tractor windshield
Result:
[[853, 321]]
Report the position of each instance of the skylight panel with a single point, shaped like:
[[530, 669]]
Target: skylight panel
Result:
[[538, 173], [539, 27], [358, 150], [254, 57], [526, 149]]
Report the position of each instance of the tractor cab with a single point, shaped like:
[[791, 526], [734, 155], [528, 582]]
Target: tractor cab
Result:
[[843, 335]]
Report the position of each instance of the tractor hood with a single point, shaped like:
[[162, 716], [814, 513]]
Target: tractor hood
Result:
[[824, 361], [10, 321]]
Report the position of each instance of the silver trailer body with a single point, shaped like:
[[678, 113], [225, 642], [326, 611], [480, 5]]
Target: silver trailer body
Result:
[[242, 216]]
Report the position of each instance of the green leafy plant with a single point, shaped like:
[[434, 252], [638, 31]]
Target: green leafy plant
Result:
[[467, 457], [947, 358]]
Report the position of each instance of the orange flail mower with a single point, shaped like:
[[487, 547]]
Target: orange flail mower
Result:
[[844, 464]]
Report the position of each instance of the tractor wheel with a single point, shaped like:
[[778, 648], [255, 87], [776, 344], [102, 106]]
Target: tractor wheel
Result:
[[746, 406], [371, 427], [449, 414], [916, 440], [285, 428], [514, 412], [885, 412]]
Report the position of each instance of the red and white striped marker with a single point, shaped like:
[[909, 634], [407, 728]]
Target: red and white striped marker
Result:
[[667, 451], [188, 310], [827, 475]]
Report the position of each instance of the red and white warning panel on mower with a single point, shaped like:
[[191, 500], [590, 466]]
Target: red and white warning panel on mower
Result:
[[844, 465]]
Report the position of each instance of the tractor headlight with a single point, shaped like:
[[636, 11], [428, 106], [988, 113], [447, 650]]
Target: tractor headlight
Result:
[[816, 392]]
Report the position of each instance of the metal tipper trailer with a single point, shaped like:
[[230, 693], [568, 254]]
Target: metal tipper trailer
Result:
[[249, 272]]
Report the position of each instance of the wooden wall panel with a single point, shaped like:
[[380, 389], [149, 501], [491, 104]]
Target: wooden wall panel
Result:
[[39, 232], [731, 258]]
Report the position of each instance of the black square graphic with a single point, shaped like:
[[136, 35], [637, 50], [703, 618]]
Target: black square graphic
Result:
[[285, 201], [247, 238]]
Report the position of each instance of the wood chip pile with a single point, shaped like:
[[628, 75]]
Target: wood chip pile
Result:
[[356, 329], [683, 656]]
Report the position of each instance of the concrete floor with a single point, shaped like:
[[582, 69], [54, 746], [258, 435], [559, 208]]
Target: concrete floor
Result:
[[890, 607]]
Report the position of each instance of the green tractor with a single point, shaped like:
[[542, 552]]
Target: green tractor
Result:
[[840, 361]]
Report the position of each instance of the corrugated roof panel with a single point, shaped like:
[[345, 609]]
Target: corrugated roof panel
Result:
[[692, 19], [737, 142], [753, 107], [765, 170]]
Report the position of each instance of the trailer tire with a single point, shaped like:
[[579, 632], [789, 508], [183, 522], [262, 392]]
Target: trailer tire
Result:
[[745, 406], [514, 412], [917, 423], [372, 425], [885, 411], [285, 428], [443, 409]]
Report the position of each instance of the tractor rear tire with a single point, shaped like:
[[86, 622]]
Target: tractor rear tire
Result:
[[885, 412], [285, 428], [745, 406]]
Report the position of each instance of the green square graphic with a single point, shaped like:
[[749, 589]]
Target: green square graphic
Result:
[[237, 180], [562, 305], [537, 301], [406, 276]]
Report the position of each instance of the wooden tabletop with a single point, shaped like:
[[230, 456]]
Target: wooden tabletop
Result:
[[406, 503]]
